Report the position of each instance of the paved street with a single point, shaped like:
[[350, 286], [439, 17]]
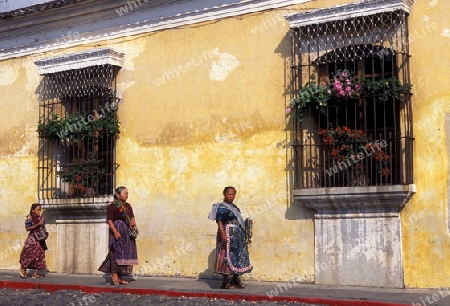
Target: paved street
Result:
[[86, 289], [78, 298]]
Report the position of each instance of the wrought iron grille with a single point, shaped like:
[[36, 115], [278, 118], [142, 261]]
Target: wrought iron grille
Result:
[[362, 137], [78, 128]]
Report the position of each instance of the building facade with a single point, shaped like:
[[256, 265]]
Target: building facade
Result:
[[329, 117]]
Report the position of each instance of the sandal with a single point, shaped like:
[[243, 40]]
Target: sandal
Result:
[[115, 281], [227, 286], [23, 273], [36, 276], [238, 283], [123, 282]]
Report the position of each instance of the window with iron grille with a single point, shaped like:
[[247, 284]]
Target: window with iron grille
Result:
[[351, 97], [78, 127]]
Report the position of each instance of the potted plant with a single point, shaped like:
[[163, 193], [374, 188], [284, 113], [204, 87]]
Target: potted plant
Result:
[[310, 95], [81, 174], [78, 126], [350, 151], [50, 128], [344, 87], [385, 89]]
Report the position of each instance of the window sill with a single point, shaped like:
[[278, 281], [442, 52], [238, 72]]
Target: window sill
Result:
[[83, 208], [356, 200]]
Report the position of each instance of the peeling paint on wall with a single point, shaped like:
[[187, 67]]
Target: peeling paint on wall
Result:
[[223, 67], [132, 50], [8, 74], [433, 3]]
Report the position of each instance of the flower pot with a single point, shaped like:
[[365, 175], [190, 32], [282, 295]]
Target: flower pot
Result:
[[76, 190]]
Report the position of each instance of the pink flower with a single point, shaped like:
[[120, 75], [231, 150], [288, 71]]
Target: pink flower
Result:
[[288, 111], [348, 88]]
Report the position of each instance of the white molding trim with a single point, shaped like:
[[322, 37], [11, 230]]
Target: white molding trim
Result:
[[355, 200], [346, 11], [79, 60], [96, 21]]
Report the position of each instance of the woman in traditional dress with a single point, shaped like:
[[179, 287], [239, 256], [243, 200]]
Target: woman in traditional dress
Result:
[[232, 256], [33, 252], [122, 253]]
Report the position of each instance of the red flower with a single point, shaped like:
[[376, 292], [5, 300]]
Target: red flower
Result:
[[345, 143], [385, 171]]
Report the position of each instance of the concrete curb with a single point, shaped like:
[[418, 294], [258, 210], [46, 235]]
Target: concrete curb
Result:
[[175, 293]]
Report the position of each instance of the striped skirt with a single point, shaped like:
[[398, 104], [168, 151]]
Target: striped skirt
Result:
[[122, 253]]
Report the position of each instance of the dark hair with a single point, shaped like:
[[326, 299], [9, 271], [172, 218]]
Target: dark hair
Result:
[[33, 207], [225, 190], [118, 190]]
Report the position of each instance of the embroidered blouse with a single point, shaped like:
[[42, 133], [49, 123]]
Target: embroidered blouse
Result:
[[225, 215], [112, 213], [33, 220]]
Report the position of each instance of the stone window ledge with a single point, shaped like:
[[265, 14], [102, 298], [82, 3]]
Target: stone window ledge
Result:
[[83, 208], [354, 201]]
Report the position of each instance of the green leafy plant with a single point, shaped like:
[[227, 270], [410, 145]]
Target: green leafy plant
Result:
[[319, 96], [82, 172], [385, 89], [310, 95], [51, 127], [78, 126], [108, 122]]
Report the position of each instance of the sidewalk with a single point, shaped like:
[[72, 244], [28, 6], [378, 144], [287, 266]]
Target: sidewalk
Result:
[[255, 290]]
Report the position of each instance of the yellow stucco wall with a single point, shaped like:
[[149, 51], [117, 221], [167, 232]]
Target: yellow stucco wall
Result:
[[217, 120], [426, 240], [18, 149], [203, 107]]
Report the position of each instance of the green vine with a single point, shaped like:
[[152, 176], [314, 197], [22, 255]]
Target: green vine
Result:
[[78, 126], [311, 94], [49, 129]]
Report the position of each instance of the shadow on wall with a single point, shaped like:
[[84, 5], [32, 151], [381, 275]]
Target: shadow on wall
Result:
[[284, 50], [298, 211], [209, 272], [294, 209]]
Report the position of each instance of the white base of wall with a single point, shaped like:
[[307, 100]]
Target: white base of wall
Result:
[[82, 246], [82, 233], [358, 234], [359, 251]]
